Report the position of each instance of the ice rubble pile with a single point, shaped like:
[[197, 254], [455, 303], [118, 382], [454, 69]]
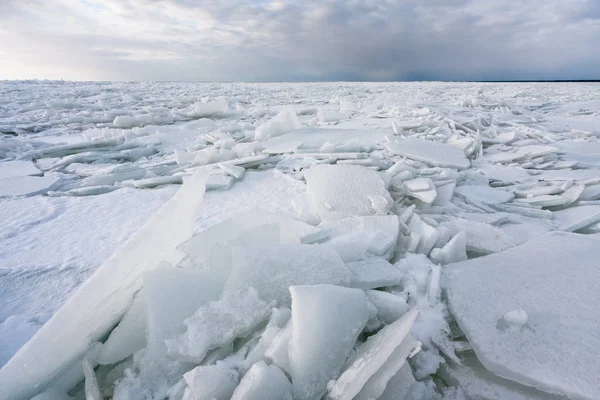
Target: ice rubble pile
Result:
[[419, 264]]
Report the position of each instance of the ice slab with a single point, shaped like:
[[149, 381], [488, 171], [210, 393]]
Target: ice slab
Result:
[[481, 238], [429, 152], [397, 388], [26, 185], [355, 237], [422, 189], [264, 382], [574, 218], [157, 181], [284, 122], [330, 115], [271, 270], [453, 251], [218, 323], [505, 174], [558, 349], [278, 351], [292, 231], [373, 273], [326, 321], [484, 194], [211, 382], [546, 200], [315, 138], [73, 329], [377, 383], [18, 168], [129, 336], [371, 356], [172, 295], [390, 307], [479, 383], [341, 191]]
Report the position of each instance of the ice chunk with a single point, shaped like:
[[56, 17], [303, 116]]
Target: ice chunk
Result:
[[26, 185], [284, 122], [429, 152], [211, 382], [215, 182], [157, 181], [377, 383], [397, 388], [219, 323], [479, 383], [515, 317], [233, 170], [373, 273], [292, 231], [18, 168], [330, 115], [484, 194], [263, 382], [546, 200], [129, 336], [88, 191], [481, 238], [271, 270], [73, 329], [172, 295], [427, 234], [326, 321], [389, 306], [340, 191], [454, 251], [572, 194], [92, 391], [591, 192], [422, 189], [279, 318], [557, 350], [210, 109], [575, 218], [278, 351], [505, 174], [354, 237], [371, 357]]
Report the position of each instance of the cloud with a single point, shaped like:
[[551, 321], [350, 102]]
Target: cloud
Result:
[[272, 40]]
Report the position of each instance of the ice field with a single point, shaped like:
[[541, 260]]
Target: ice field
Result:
[[198, 241]]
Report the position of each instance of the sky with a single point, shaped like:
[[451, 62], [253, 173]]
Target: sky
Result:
[[299, 40]]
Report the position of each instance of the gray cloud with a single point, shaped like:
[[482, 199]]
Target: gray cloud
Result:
[[299, 39]]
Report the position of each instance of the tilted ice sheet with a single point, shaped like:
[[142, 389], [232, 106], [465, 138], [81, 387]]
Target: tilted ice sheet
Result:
[[101, 301], [430, 152], [554, 279], [326, 321]]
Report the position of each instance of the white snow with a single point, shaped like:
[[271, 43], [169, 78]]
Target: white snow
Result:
[[13, 186], [18, 168]]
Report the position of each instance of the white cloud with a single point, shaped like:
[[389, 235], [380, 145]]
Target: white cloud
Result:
[[299, 39]]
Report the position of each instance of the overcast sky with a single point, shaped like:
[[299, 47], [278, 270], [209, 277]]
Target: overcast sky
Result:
[[296, 40]]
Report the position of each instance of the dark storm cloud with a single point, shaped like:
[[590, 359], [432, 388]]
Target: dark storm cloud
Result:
[[300, 40]]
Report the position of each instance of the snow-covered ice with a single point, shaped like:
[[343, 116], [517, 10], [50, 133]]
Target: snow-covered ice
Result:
[[370, 192], [552, 281]]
